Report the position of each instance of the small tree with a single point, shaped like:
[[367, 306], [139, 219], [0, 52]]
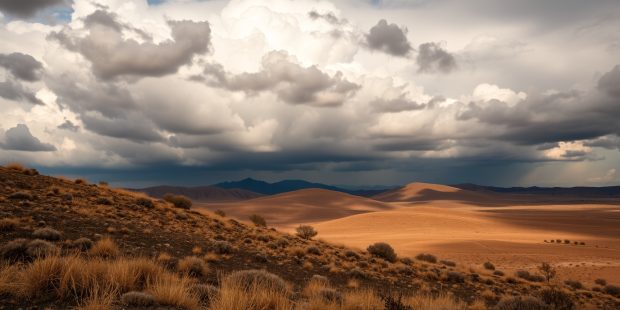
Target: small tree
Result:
[[258, 220], [547, 270], [306, 231]]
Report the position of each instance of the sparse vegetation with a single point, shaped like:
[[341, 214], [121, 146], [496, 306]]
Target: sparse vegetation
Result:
[[306, 232], [220, 213], [47, 234], [193, 266], [488, 266], [573, 284], [425, 257], [179, 201], [547, 271], [8, 224], [601, 282], [383, 250]]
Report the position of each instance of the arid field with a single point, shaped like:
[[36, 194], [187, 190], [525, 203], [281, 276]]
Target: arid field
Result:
[[515, 232]]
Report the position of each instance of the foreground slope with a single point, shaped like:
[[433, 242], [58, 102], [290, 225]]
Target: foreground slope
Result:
[[201, 193], [67, 244], [306, 205]]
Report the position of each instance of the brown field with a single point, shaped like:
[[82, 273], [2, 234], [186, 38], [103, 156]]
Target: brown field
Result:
[[469, 227]]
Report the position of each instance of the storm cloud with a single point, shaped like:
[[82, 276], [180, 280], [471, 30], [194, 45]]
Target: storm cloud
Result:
[[22, 66], [432, 57], [19, 138], [388, 38], [26, 8], [14, 90]]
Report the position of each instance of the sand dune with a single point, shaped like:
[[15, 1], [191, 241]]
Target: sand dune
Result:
[[511, 237], [420, 192], [302, 206]]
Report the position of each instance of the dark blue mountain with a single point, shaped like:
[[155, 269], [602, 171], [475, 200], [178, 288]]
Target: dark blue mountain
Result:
[[579, 191], [267, 188]]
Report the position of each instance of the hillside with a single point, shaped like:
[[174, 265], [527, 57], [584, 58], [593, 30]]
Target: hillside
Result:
[[420, 192], [69, 244], [301, 206], [201, 193], [284, 186]]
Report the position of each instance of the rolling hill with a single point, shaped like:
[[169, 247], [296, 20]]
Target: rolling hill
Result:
[[201, 193]]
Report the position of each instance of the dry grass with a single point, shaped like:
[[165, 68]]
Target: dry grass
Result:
[[171, 290], [252, 289], [442, 302], [105, 248], [8, 224]]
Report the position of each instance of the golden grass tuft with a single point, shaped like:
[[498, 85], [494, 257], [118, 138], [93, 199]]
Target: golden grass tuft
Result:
[[8, 224], [171, 290], [105, 248]]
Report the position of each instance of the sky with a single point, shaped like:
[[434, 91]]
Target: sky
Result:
[[350, 92]]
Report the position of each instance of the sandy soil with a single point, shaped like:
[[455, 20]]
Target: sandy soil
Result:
[[469, 228]]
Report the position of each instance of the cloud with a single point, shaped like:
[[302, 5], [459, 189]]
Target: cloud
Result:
[[609, 176], [610, 82], [389, 38], [68, 125], [329, 17], [292, 83], [22, 66], [432, 57], [26, 8], [14, 90], [111, 55], [19, 138]]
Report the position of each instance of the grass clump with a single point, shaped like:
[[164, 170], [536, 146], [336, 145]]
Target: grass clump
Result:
[[382, 250], [137, 299], [8, 224], [521, 303], [429, 258], [47, 233], [258, 220], [488, 266], [193, 266], [179, 201], [105, 248]]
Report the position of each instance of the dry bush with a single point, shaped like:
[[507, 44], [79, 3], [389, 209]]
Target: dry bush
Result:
[[193, 266], [313, 250], [601, 282], [20, 196], [382, 250], [576, 285], [448, 263], [80, 181], [220, 213], [179, 201], [41, 248], [258, 220], [488, 266], [82, 244], [222, 247], [521, 303], [105, 248], [8, 224], [170, 290], [145, 202], [252, 289], [430, 258], [557, 299], [441, 302], [14, 250], [612, 290], [306, 232], [526, 275], [47, 233]]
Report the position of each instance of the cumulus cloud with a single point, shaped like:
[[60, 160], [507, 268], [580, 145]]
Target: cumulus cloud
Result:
[[14, 90], [292, 82], [432, 57], [111, 55], [610, 82], [26, 8], [329, 17], [389, 38], [19, 138], [22, 66], [68, 125]]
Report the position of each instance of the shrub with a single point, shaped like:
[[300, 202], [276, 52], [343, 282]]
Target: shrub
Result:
[[220, 213], [252, 289], [383, 250], [498, 273], [80, 181], [521, 303], [103, 201], [137, 299], [566, 241], [601, 282], [488, 266], [145, 202], [8, 224], [612, 290], [448, 263], [83, 244], [14, 250], [222, 247], [454, 276], [258, 220], [547, 270], [247, 280], [558, 240], [193, 266], [47, 234], [351, 254], [179, 201], [574, 284], [313, 250], [427, 258], [205, 292], [41, 248], [20, 196], [105, 248], [526, 275], [306, 232], [557, 299]]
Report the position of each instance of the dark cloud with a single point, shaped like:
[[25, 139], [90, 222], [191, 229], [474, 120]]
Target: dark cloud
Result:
[[433, 58], [555, 117], [26, 8], [607, 142], [19, 138], [291, 82], [22, 66], [329, 17], [412, 144], [14, 90], [131, 126], [610, 82], [396, 105], [389, 38], [68, 125], [111, 55]]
